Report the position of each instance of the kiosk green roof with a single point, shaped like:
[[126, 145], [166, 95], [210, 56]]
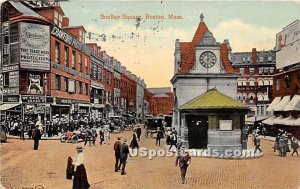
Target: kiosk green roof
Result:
[[212, 99]]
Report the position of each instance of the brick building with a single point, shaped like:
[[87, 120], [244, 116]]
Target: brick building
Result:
[[255, 84], [47, 69], [286, 92], [161, 101]]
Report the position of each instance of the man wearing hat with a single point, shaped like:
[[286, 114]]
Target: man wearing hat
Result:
[[124, 151], [36, 136], [117, 148], [184, 160]]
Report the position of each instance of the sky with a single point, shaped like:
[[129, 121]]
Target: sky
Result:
[[146, 47]]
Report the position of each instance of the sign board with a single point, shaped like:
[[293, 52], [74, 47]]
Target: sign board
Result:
[[11, 91], [36, 109], [33, 99], [34, 46], [225, 125], [13, 79], [288, 45], [10, 98], [10, 68], [71, 85]]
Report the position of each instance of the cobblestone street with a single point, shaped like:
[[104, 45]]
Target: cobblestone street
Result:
[[22, 167]]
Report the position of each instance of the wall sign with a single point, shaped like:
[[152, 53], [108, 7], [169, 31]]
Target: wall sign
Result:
[[10, 98], [34, 46], [225, 125], [14, 79], [34, 82]]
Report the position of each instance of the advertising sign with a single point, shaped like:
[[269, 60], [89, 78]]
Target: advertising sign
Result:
[[34, 82], [71, 85], [288, 45], [226, 125], [14, 79], [34, 46], [11, 91], [10, 98]]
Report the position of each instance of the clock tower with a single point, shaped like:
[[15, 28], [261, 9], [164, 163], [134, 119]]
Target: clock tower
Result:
[[200, 65]]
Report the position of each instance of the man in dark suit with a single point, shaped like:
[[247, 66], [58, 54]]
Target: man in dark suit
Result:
[[138, 132], [183, 159], [36, 135], [124, 151], [117, 148]]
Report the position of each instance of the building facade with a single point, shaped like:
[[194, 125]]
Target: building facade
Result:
[[286, 103], [161, 101], [255, 84], [48, 71]]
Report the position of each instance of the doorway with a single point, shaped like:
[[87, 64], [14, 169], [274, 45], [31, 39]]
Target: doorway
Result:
[[197, 131]]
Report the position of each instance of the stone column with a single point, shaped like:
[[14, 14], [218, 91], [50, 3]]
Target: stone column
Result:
[[184, 131]]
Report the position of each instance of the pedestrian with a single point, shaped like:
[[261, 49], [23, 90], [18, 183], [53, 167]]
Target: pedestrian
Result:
[[22, 130], [173, 141], [117, 148], [183, 159], [88, 136], [36, 135], [124, 152], [158, 136], [101, 134], [276, 144], [138, 132], [80, 180], [134, 144], [294, 145], [257, 144], [281, 147], [107, 135], [94, 135]]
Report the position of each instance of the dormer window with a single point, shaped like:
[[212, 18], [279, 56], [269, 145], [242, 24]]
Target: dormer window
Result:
[[81, 36], [270, 58], [58, 19], [248, 59], [261, 59]]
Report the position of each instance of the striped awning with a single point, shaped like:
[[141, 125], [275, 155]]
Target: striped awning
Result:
[[4, 107], [282, 104], [273, 104]]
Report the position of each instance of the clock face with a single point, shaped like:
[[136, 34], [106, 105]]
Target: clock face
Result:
[[208, 59]]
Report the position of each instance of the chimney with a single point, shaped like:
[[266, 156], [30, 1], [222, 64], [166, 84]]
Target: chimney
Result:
[[65, 21], [254, 55]]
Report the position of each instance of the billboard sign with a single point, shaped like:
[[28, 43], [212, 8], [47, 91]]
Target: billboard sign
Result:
[[288, 45], [34, 46]]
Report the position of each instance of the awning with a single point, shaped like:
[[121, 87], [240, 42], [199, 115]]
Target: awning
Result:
[[282, 104], [7, 106], [260, 82], [274, 102], [258, 118], [260, 98], [270, 120], [294, 104], [97, 105], [286, 121], [83, 105]]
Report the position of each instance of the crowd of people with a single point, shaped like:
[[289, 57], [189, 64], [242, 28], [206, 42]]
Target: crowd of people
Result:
[[281, 142]]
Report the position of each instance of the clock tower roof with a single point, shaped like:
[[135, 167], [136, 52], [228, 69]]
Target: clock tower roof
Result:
[[187, 49]]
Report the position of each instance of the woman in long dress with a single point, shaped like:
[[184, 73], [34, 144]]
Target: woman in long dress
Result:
[[134, 143]]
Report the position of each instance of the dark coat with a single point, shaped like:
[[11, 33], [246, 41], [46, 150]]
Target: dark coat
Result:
[[36, 135], [124, 151], [80, 180], [70, 169]]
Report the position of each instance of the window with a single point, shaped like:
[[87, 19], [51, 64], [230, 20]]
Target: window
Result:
[[242, 70], [261, 59], [260, 82], [73, 59], [262, 110], [66, 56], [57, 82], [6, 79], [251, 82], [80, 87], [251, 71], [270, 58], [248, 59], [266, 70], [266, 81], [277, 84], [271, 81], [260, 71], [66, 84], [57, 52], [271, 70], [100, 74], [86, 89], [86, 65], [81, 36], [80, 62], [58, 19]]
